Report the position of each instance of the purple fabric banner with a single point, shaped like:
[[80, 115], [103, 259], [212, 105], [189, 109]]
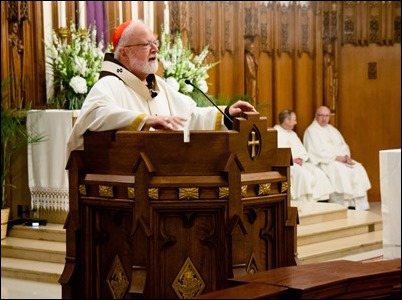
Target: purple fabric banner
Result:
[[96, 14]]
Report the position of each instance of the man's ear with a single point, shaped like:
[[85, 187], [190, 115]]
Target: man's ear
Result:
[[123, 53]]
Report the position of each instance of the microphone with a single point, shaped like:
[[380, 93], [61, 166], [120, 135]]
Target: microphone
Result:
[[153, 93], [151, 84], [213, 103]]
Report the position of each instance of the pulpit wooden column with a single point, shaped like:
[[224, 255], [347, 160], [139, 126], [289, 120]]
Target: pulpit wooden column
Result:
[[154, 217]]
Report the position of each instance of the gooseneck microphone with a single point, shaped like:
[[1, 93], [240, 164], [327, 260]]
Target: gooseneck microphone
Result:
[[213, 103]]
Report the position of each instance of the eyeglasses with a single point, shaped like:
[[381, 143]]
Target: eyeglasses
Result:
[[146, 45], [321, 115]]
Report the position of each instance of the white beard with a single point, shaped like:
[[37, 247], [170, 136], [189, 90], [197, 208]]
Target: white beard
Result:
[[149, 67]]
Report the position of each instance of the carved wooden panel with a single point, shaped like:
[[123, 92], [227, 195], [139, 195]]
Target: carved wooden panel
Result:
[[266, 27], [190, 232], [375, 23], [349, 21], [193, 23], [395, 21], [211, 27], [251, 19], [23, 65], [17, 11], [304, 30], [285, 37], [371, 22], [228, 18], [179, 16], [258, 228]]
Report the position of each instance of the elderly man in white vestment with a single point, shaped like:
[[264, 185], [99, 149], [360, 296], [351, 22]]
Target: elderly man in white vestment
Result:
[[128, 94], [328, 150], [308, 182]]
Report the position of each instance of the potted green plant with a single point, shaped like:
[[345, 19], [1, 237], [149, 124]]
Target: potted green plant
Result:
[[14, 137]]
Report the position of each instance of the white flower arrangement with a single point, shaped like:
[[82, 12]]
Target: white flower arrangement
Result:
[[76, 62], [179, 63]]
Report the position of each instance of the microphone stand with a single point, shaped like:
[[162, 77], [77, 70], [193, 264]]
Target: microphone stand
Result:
[[213, 103]]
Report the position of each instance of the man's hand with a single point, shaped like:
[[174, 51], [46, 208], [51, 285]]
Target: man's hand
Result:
[[239, 106], [164, 122], [345, 159], [298, 161]]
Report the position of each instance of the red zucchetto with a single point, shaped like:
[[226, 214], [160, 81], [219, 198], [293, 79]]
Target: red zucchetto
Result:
[[118, 32]]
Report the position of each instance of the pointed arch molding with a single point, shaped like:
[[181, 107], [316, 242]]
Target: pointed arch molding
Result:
[[285, 28], [17, 11]]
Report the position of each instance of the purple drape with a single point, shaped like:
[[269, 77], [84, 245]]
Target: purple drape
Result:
[[96, 14]]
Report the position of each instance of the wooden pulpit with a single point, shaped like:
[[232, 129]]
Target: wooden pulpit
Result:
[[154, 216]]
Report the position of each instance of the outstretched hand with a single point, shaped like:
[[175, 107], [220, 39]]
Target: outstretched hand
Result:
[[240, 106]]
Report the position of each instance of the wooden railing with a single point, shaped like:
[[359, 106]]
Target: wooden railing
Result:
[[328, 280]]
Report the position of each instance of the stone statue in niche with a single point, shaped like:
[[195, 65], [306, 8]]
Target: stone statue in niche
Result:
[[330, 77], [16, 65], [251, 70]]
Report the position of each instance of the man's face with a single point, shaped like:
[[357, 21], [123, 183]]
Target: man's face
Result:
[[290, 122], [323, 115], [140, 53]]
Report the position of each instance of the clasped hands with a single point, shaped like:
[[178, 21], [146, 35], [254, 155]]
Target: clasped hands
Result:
[[298, 161], [345, 159], [177, 123]]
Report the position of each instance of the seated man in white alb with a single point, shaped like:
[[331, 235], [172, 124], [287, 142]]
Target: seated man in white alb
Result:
[[307, 181], [328, 149]]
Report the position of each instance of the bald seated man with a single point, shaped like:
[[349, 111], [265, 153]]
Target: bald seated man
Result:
[[129, 96], [328, 150]]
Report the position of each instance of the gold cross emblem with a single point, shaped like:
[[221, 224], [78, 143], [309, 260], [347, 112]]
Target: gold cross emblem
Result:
[[253, 143]]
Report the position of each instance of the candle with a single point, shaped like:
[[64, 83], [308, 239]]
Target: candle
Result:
[[82, 12], [166, 17], [62, 14]]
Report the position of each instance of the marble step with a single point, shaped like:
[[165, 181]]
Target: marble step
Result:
[[318, 212], [36, 254], [340, 247], [49, 232], [357, 222], [33, 249], [31, 269]]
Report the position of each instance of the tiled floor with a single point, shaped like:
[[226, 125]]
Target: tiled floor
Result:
[[24, 289]]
